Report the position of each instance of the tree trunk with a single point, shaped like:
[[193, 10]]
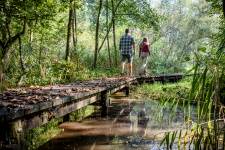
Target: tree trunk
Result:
[[74, 28], [23, 70], [97, 34], [69, 32], [7, 42], [107, 25], [1, 74], [21, 57], [3, 65], [114, 32]]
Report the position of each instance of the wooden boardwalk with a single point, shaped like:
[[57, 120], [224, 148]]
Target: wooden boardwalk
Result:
[[26, 108], [25, 101]]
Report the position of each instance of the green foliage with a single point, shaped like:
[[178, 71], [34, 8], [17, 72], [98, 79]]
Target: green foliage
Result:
[[38, 136], [184, 27], [169, 91], [207, 86], [61, 72], [138, 14]]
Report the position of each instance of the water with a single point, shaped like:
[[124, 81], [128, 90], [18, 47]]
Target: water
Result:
[[131, 125]]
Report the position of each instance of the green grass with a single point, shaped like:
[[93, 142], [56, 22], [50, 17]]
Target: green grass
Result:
[[57, 73], [38, 136], [166, 91]]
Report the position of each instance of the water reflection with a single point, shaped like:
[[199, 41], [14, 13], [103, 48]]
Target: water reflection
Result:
[[131, 124]]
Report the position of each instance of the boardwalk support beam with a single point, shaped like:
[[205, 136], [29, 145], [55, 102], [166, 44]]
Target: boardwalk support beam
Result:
[[13, 132], [105, 102], [127, 90]]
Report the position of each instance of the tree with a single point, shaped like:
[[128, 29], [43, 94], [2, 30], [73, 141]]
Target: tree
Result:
[[107, 29], [114, 31], [97, 34], [69, 29], [15, 16]]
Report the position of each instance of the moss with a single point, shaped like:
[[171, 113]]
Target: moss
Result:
[[38, 136], [82, 113]]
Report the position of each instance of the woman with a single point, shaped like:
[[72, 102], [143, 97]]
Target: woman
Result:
[[143, 54]]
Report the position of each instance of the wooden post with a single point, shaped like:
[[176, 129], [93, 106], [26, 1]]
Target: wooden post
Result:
[[66, 118], [105, 102], [127, 90], [14, 135]]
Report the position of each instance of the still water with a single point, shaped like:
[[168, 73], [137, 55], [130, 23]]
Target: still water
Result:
[[131, 124]]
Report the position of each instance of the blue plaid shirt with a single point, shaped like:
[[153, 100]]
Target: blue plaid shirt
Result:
[[126, 43]]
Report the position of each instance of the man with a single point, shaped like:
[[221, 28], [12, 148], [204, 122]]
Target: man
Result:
[[127, 48]]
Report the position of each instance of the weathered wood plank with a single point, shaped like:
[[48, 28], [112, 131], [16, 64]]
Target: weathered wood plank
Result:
[[59, 112], [38, 119], [14, 113], [45, 105]]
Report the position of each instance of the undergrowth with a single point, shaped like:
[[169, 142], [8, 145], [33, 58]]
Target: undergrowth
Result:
[[159, 91]]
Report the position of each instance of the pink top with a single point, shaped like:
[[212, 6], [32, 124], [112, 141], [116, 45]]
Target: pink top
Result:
[[144, 47]]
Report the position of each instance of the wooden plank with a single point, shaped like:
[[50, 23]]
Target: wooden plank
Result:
[[59, 112], [42, 117], [45, 105], [113, 90], [31, 109], [14, 113], [3, 113], [57, 101]]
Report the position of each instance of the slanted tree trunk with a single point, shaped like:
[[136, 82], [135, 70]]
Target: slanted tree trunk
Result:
[[109, 27], [97, 34], [21, 56], [69, 26]]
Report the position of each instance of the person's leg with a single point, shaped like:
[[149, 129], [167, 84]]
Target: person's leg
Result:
[[123, 63], [123, 66], [130, 67], [141, 66], [146, 64]]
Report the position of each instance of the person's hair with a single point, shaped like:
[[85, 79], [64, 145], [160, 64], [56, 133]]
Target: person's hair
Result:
[[145, 39], [127, 31]]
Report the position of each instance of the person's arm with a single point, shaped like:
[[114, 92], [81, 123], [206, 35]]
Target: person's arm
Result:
[[140, 50], [120, 45], [134, 48], [149, 48], [133, 45]]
